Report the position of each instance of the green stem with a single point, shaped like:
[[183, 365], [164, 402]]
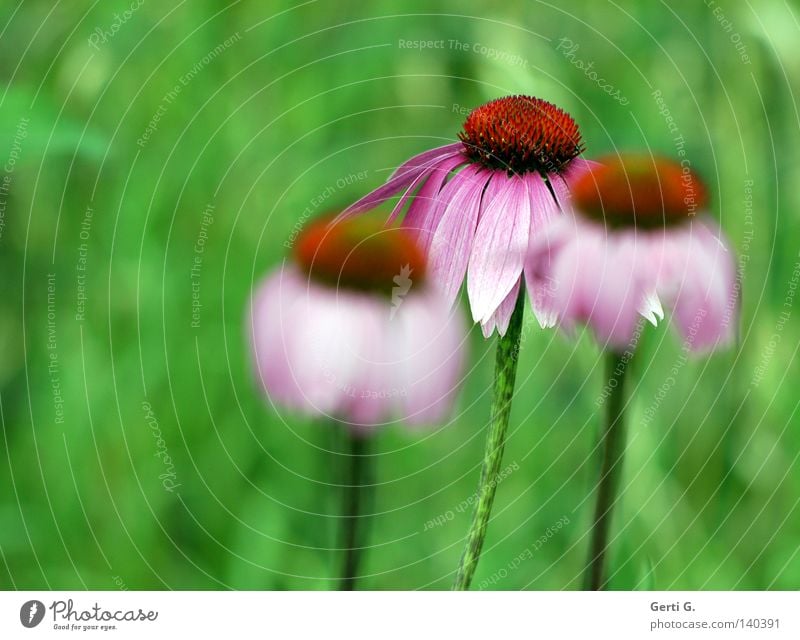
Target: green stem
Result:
[[613, 442], [354, 496], [505, 373]]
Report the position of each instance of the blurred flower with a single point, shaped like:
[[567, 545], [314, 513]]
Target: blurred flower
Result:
[[476, 204], [637, 237], [351, 329]]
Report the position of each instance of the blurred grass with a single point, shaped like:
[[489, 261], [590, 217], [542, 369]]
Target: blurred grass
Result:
[[309, 95]]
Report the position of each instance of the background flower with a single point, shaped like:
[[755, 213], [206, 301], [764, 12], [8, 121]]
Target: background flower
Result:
[[638, 237], [351, 330]]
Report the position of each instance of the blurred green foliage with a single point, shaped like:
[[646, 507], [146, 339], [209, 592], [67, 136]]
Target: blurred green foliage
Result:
[[264, 125]]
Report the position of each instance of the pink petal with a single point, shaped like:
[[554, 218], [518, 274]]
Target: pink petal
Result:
[[425, 158], [501, 241], [431, 184], [577, 167], [387, 190], [264, 322], [329, 352], [453, 238], [706, 305], [540, 291], [614, 291], [428, 337], [594, 280], [544, 209], [691, 269], [502, 316], [403, 178], [425, 210], [370, 399], [306, 342]]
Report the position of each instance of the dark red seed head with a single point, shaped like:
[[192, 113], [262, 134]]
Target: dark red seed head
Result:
[[521, 133], [639, 190], [360, 254]]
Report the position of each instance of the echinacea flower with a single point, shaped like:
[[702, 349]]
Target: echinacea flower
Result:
[[476, 205], [637, 238], [351, 329]]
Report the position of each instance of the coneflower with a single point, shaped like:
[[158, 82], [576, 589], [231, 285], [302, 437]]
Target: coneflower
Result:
[[637, 238], [475, 206], [351, 331]]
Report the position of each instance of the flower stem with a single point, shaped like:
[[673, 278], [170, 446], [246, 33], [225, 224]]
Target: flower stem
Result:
[[505, 373], [613, 442], [354, 495]]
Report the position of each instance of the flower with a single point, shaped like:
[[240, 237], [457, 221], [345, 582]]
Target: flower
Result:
[[475, 205], [637, 236], [350, 329]]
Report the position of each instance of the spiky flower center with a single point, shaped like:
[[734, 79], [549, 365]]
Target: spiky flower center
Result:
[[360, 254], [639, 190], [521, 133]]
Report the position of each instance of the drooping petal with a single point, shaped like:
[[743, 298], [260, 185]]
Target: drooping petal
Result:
[[543, 207], [268, 312], [329, 341], [306, 340], [410, 171], [650, 308], [498, 253], [690, 269], [592, 281], [426, 157], [453, 239], [420, 215], [427, 338], [370, 398], [544, 210], [610, 269], [377, 196], [577, 167], [705, 302], [548, 234], [558, 295], [561, 190], [502, 316]]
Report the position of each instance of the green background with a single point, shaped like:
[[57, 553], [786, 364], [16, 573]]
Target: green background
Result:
[[265, 128]]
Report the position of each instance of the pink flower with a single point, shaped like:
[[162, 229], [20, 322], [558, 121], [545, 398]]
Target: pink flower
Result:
[[637, 238], [475, 205], [350, 329]]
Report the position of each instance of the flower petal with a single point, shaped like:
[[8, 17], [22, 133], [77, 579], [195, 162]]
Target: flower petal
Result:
[[369, 397], [621, 293], [651, 308], [577, 167], [306, 340], [544, 210], [425, 158], [501, 242], [706, 302], [454, 235], [502, 316], [405, 176], [423, 204], [428, 339], [377, 196], [593, 281]]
